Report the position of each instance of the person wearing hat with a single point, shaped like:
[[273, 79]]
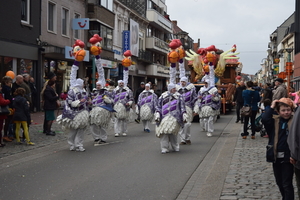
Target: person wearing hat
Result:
[[100, 115], [136, 97], [170, 115], [146, 106], [282, 138], [123, 100], [189, 94], [280, 90], [208, 107], [75, 115]]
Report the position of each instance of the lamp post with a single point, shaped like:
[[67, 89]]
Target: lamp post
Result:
[[289, 67]]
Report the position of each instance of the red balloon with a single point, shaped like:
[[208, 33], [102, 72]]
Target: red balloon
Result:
[[11, 74], [127, 53]]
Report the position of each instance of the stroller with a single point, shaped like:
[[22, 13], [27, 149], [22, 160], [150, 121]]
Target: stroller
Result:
[[259, 127]]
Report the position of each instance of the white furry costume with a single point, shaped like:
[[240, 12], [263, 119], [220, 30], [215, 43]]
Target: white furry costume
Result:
[[170, 115], [100, 115], [146, 106], [208, 107], [189, 95], [122, 96], [75, 116]]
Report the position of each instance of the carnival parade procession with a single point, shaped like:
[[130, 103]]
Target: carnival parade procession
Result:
[[149, 100]]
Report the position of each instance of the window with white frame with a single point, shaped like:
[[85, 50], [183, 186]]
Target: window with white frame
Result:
[[25, 11], [65, 22], [76, 32], [51, 16], [107, 35], [108, 4]]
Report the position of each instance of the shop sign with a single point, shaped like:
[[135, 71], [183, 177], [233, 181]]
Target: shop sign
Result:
[[117, 52], [80, 23], [126, 41], [69, 54], [108, 64]]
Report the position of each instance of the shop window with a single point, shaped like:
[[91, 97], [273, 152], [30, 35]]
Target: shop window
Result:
[[24, 66], [6, 64]]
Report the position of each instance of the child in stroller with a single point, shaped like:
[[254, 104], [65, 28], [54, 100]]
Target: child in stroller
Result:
[[259, 127]]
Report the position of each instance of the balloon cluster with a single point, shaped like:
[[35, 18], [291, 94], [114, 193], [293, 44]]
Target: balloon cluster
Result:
[[126, 62], [96, 45], [78, 50]]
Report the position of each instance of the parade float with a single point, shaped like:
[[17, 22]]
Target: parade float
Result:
[[219, 68]]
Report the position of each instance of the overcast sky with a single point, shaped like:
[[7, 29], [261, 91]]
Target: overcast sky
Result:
[[223, 23]]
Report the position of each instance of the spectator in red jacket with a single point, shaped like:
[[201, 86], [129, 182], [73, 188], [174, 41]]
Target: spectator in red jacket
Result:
[[3, 102]]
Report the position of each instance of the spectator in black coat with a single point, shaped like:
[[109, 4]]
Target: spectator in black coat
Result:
[[239, 101], [139, 91], [34, 95], [136, 97], [267, 94], [50, 105]]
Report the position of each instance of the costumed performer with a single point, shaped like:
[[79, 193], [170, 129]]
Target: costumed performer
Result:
[[75, 115], [146, 106], [208, 107], [170, 114], [189, 95], [100, 115], [123, 98]]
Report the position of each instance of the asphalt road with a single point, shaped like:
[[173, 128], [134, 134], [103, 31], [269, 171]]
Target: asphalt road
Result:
[[129, 167]]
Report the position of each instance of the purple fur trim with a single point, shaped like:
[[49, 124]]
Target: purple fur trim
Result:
[[173, 65]]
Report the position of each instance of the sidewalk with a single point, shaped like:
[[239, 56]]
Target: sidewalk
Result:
[[234, 169], [36, 135]]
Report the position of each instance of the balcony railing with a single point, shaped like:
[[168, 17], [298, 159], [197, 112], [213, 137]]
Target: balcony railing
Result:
[[145, 56], [157, 44], [154, 16]]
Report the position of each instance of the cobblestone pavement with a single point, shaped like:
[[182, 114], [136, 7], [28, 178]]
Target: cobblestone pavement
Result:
[[249, 175], [36, 136]]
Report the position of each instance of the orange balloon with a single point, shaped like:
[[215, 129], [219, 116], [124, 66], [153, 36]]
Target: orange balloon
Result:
[[173, 57], [11, 74], [126, 62]]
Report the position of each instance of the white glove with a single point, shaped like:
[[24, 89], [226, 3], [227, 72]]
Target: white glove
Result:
[[185, 117], [137, 109], [130, 103], [196, 109], [157, 116], [107, 100], [75, 104]]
